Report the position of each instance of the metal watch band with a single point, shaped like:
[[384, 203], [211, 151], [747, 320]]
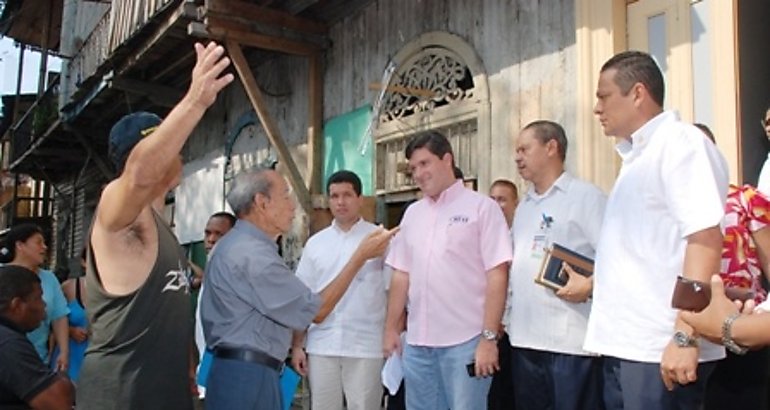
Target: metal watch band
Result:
[[727, 337]]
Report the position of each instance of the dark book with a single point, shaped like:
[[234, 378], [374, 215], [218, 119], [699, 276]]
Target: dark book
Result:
[[552, 274]]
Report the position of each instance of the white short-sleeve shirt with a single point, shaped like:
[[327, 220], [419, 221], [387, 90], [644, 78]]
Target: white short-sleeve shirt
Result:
[[354, 328], [539, 319], [672, 183]]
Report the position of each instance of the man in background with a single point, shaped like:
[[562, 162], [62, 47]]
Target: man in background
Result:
[[25, 381], [344, 352], [547, 326], [501, 396], [216, 227]]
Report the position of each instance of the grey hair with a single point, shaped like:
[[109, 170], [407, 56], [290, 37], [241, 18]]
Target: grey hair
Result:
[[245, 186]]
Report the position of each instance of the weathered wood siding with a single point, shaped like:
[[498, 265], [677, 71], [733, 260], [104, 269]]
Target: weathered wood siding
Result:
[[527, 49], [526, 46]]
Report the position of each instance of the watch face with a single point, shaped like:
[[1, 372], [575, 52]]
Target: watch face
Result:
[[683, 340], [488, 334]]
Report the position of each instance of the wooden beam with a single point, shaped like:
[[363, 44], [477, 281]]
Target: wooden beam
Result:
[[158, 94], [238, 23], [271, 43], [273, 134], [315, 137], [186, 10], [265, 15], [298, 6], [100, 162]]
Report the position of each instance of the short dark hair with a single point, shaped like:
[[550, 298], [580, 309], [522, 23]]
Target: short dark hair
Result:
[[345, 176], [433, 141], [545, 131], [18, 233], [637, 67], [508, 184], [15, 282], [225, 215]]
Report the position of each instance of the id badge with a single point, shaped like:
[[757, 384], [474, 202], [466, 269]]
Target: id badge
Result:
[[539, 244]]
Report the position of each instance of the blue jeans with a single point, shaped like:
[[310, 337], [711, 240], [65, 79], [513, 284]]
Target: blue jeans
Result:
[[233, 384], [436, 378]]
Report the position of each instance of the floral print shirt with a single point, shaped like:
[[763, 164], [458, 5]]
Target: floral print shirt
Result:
[[746, 211]]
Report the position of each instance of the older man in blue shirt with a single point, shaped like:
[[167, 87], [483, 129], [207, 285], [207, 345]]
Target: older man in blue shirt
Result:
[[252, 301]]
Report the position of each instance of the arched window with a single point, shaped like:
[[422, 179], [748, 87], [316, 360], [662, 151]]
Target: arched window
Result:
[[439, 83]]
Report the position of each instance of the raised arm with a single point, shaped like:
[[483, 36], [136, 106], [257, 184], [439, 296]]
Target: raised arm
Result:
[[147, 169]]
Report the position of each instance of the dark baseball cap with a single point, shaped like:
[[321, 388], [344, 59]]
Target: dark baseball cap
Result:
[[127, 132]]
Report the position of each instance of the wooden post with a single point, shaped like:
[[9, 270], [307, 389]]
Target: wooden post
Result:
[[315, 137], [273, 134]]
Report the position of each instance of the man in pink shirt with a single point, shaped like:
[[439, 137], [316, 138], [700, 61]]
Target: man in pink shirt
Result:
[[450, 262]]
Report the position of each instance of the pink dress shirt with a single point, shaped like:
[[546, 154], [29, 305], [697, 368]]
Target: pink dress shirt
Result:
[[446, 247]]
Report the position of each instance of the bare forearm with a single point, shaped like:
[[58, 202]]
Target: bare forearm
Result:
[[494, 302], [752, 330], [703, 254], [152, 157], [399, 285], [701, 260], [61, 335], [298, 338]]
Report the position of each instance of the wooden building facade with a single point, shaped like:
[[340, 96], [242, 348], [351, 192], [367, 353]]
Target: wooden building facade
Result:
[[329, 84]]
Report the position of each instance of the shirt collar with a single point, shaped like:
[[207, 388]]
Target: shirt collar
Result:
[[250, 229], [352, 228], [448, 194], [640, 138], [562, 183]]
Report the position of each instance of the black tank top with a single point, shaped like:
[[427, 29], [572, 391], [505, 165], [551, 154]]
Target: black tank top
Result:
[[138, 355]]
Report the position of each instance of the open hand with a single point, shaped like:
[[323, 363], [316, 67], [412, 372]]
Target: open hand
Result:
[[376, 243], [206, 80]]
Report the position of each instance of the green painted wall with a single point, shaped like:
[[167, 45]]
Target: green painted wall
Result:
[[343, 137]]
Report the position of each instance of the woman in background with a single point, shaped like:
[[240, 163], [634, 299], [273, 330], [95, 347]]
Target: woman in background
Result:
[[25, 246], [74, 290]]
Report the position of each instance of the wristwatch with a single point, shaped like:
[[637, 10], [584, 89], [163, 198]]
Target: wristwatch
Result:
[[682, 339], [727, 337], [490, 335]]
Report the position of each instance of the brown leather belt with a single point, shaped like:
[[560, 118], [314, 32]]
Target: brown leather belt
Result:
[[246, 355]]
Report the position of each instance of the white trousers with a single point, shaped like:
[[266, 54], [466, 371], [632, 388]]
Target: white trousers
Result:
[[331, 377]]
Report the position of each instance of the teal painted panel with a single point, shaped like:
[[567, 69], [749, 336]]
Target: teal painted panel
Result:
[[343, 136]]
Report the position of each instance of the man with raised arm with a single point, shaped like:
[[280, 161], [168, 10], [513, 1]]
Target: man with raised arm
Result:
[[138, 295]]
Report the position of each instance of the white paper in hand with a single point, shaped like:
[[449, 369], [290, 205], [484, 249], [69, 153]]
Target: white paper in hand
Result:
[[392, 372]]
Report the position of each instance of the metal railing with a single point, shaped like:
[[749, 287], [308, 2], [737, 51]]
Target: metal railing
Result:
[[124, 20]]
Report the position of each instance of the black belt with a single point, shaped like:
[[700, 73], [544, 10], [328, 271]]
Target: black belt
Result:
[[246, 355]]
